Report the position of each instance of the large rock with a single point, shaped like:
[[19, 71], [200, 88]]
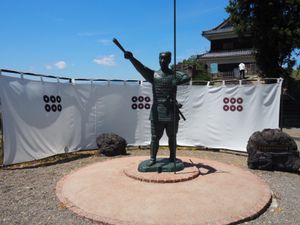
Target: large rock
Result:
[[272, 149], [111, 144]]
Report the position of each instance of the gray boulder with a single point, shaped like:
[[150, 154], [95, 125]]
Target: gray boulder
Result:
[[111, 144], [272, 149]]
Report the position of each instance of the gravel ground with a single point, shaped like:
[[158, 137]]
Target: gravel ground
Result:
[[28, 195]]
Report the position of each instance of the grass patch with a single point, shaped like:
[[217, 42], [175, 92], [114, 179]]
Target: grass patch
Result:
[[55, 159], [67, 157]]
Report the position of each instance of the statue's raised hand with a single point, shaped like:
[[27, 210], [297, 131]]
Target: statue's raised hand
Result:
[[128, 55]]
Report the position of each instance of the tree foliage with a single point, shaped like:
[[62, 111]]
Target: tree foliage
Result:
[[199, 72], [275, 28]]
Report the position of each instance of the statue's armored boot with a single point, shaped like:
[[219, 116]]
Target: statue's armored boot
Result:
[[172, 147], [153, 152]]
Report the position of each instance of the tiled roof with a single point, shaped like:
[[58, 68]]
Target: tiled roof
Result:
[[223, 30], [225, 26], [226, 54]]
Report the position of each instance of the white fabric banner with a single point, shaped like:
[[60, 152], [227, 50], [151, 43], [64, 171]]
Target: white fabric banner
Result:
[[41, 119]]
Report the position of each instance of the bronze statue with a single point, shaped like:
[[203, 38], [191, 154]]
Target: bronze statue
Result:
[[165, 109]]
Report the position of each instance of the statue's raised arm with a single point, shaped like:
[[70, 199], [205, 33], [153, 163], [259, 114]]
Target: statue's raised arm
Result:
[[143, 70]]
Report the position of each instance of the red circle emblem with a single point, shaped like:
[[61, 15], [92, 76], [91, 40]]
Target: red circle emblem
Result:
[[226, 100], [141, 106], [134, 99], [134, 106], [232, 108], [147, 99], [141, 98], [232, 100], [240, 100], [226, 108]]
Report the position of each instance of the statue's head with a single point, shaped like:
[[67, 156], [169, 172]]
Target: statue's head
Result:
[[164, 59]]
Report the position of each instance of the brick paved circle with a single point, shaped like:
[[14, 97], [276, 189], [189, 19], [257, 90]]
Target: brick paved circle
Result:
[[221, 194]]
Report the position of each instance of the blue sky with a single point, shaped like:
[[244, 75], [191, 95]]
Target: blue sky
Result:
[[73, 38]]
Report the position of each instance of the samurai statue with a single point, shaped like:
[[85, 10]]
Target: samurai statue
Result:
[[165, 113]]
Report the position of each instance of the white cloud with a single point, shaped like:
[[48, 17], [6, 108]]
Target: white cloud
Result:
[[48, 67], [105, 60], [91, 33], [86, 34], [60, 65], [105, 42]]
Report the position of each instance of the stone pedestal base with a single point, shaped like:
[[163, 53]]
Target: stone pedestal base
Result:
[[161, 165]]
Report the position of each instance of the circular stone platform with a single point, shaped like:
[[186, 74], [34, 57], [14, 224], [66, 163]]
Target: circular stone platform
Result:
[[221, 194]]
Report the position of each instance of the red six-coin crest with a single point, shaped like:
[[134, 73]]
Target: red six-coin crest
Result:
[[140, 102], [233, 104], [52, 103]]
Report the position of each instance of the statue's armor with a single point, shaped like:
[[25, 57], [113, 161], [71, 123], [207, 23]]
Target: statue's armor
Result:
[[164, 91]]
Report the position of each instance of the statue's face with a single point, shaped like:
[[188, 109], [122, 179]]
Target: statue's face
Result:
[[164, 59]]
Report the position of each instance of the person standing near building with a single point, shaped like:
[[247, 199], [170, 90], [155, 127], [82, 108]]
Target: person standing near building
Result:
[[242, 69]]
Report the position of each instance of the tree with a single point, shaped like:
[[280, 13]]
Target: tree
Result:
[[198, 70], [275, 28]]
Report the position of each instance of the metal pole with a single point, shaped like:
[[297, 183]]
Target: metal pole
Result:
[[174, 35], [174, 97]]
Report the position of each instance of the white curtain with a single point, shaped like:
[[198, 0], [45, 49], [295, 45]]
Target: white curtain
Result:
[[41, 119]]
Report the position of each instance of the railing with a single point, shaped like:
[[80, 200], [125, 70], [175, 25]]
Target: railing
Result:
[[223, 79], [61, 78], [235, 81], [226, 75], [232, 74]]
